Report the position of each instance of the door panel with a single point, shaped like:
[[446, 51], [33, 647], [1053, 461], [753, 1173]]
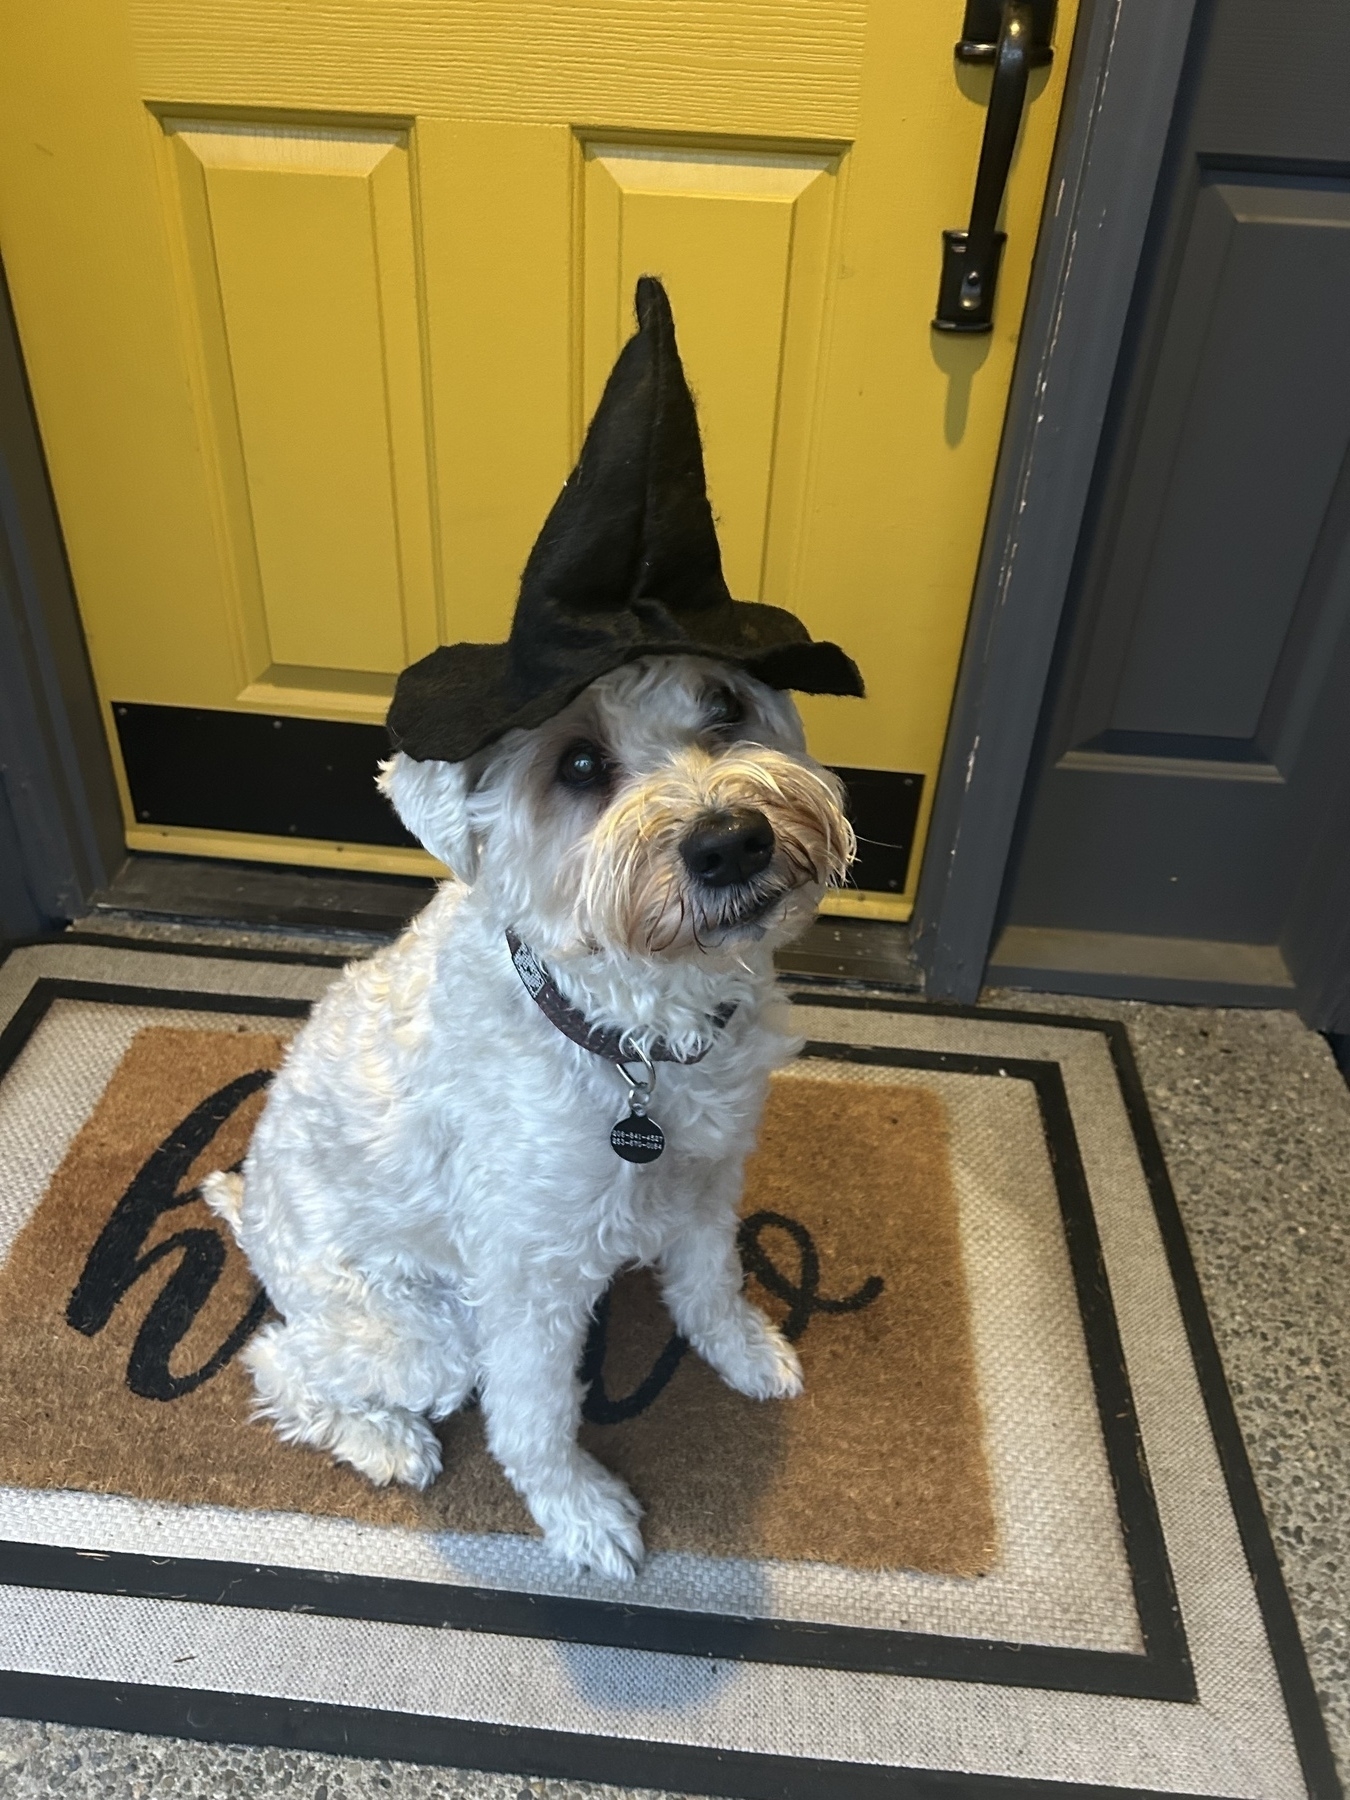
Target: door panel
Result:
[[306, 295], [1197, 739], [1216, 537], [316, 303], [742, 241]]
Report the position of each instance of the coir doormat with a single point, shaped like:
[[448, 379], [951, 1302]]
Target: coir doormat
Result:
[[118, 1371], [1006, 1542]]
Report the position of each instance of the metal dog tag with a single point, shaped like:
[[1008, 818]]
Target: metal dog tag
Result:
[[638, 1139]]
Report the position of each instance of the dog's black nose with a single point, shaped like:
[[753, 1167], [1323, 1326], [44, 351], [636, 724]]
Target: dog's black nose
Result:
[[729, 847]]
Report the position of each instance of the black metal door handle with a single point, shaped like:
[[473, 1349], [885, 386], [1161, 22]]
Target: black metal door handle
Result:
[[970, 258]]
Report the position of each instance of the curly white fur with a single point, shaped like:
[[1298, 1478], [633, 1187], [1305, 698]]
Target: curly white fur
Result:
[[431, 1199]]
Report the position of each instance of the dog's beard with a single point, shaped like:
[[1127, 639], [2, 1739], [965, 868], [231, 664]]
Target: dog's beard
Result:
[[636, 893]]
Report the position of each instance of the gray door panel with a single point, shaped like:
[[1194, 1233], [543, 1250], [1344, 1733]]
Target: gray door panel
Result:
[[1193, 757], [1157, 847], [1246, 430]]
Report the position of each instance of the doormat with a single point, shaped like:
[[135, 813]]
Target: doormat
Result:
[[850, 1237], [1006, 1544]]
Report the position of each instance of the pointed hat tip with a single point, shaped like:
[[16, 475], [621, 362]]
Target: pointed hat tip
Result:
[[651, 303]]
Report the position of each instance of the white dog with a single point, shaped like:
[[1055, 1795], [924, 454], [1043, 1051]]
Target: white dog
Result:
[[433, 1199]]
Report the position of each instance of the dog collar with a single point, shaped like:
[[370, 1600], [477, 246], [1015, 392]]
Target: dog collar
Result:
[[610, 1043], [637, 1138]]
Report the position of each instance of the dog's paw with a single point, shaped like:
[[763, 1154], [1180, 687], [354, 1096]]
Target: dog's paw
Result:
[[591, 1521], [223, 1192], [752, 1355], [388, 1446]]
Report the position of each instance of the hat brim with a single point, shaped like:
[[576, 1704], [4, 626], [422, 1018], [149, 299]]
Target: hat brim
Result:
[[459, 700]]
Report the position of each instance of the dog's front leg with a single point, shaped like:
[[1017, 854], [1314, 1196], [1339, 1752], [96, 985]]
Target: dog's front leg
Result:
[[701, 1276], [532, 1403]]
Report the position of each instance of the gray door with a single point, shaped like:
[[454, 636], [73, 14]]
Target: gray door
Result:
[[1189, 808]]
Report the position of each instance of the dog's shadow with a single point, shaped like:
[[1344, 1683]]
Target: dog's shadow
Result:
[[651, 1682]]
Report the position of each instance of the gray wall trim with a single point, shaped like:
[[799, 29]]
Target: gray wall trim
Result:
[[1123, 82], [60, 822]]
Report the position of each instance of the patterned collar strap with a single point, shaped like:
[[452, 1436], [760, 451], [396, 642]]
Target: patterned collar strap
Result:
[[610, 1044]]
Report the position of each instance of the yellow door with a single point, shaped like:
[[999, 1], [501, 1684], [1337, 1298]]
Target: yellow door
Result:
[[315, 302]]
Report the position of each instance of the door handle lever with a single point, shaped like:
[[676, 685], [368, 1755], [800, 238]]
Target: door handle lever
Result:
[[971, 258]]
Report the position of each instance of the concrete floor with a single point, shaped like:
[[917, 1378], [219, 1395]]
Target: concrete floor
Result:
[[1255, 1121]]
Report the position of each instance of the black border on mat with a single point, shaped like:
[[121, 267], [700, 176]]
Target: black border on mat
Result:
[[353, 1731], [212, 1717], [1162, 1672]]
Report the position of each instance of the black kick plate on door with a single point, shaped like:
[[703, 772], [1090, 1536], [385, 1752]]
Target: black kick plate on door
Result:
[[884, 808], [315, 778], [256, 772]]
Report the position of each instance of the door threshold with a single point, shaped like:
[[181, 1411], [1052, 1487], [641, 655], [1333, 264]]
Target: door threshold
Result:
[[221, 895], [872, 952], [200, 890], [1118, 965]]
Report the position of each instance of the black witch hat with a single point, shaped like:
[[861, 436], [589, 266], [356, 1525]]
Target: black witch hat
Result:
[[627, 565]]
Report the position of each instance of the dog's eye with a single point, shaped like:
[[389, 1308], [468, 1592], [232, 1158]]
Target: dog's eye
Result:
[[583, 765], [723, 707]]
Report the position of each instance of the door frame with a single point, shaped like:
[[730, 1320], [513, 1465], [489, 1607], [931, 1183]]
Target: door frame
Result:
[[58, 802], [60, 821], [1122, 93]]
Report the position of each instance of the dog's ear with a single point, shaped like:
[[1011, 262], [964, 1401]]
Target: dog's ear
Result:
[[432, 799]]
